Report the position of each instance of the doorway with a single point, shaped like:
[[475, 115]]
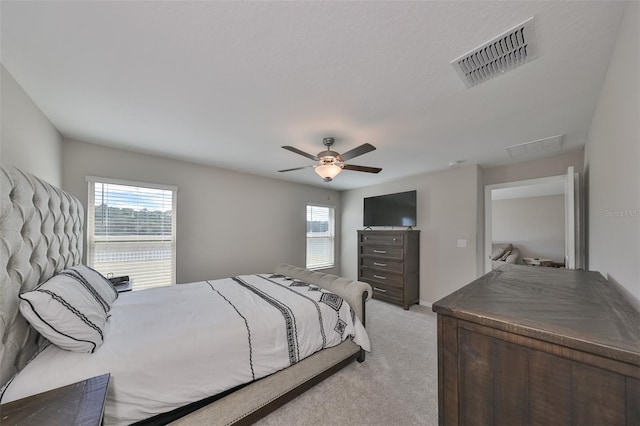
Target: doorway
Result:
[[540, 217]]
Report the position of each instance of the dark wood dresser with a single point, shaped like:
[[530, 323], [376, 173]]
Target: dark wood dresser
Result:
[[390, 262], [529, 345], [77, 404]]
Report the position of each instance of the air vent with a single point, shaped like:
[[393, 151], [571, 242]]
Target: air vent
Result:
[[505, 52]]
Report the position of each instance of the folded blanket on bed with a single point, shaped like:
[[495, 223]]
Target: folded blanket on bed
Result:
[[169, 346]]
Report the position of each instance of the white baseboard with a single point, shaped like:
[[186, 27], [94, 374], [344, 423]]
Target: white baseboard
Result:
[[425, 303]]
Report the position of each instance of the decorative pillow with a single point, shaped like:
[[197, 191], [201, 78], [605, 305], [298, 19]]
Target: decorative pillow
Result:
[[66, 313], [95, 282], [500, 252], [506, 254], [497, 253]]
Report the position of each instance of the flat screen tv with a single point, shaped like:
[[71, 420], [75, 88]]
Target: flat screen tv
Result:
[[391, 210]]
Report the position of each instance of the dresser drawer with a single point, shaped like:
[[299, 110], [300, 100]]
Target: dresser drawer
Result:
[[388, 279], [384, 265], [381, 251], [384, 292], [382, 239]]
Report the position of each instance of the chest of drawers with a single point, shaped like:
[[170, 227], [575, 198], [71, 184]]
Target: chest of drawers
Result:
[[389, 261], [527, 345]]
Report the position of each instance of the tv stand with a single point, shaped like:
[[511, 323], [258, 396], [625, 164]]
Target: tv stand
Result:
[[390, 262]]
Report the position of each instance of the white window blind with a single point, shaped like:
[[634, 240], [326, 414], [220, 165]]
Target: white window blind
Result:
[[131, 230], [320, 237]]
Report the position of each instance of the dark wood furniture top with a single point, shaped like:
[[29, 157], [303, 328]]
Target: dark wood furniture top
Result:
[[574, 308], [80, 403], [390, 262], [532, 345]]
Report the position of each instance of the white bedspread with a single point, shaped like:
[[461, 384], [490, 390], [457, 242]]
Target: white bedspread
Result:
[[170, 346]]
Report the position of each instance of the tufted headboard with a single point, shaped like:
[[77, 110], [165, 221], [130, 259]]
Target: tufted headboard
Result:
[[40, 234]]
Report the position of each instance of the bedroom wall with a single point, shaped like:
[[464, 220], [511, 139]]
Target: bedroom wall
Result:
[[23, 125], [229, 223], [532, 169], [535, 225], [447, 211], [612, 161]]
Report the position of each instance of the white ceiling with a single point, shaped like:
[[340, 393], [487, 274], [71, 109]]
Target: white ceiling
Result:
[[228, 83]]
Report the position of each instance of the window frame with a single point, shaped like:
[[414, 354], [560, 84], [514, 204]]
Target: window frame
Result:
[[332, 237], [89, 239]]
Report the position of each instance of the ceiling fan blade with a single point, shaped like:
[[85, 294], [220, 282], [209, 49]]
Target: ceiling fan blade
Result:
[[362, 168], [297, 151], [362, 149], [295, 168]]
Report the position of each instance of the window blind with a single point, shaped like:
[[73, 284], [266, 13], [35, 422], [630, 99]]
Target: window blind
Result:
[[320, 237], [131, 231]]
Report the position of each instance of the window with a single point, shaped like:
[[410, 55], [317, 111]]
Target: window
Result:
[[131, 230], [320, 237]]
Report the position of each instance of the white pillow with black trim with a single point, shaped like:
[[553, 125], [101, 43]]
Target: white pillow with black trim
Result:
[[95, 282], [66, 313]]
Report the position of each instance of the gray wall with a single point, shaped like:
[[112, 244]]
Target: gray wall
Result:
[[535, 225], [28, 140], [612, 162], [229, 223], [447, 211], [532, 169]]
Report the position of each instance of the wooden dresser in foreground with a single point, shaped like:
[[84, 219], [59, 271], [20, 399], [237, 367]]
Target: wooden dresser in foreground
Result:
[[390, 262], [77, 404], [527, 345]]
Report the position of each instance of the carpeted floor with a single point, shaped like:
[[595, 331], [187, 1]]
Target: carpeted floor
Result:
[[396, 385]]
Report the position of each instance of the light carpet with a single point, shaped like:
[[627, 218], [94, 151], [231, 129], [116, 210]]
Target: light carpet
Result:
[[396, 385]]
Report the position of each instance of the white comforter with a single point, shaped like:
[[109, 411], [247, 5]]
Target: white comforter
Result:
[[170, 346]]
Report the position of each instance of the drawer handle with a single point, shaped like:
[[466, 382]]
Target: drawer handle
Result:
[[380, 277], [395, 239], [381, 290], [379, 264], [380, 251]]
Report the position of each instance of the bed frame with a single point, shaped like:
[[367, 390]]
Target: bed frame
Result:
[[41, 233]]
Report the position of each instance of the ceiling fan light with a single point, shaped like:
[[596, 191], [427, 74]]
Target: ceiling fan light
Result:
[[328, 171]]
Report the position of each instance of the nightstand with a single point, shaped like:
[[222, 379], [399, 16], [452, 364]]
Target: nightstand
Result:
[[80, 403], [125, 286]]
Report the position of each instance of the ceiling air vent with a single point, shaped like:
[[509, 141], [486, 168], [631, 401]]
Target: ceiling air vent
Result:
[[505, 52]]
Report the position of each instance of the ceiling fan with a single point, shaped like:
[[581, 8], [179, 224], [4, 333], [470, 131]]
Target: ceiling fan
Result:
[[330, 163]]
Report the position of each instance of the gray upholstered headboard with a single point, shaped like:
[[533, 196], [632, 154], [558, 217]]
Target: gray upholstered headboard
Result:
[[40, 234]]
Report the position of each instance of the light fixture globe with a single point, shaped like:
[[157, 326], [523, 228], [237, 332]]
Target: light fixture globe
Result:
[[328, 171]]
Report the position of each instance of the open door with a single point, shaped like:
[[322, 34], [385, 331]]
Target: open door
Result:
[[573, 225], [573, 216]]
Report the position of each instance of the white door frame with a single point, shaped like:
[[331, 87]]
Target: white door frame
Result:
[[570, 220], [488, 209], [574, 221]]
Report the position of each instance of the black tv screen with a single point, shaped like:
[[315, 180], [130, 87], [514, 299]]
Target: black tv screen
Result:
[[391, 210]]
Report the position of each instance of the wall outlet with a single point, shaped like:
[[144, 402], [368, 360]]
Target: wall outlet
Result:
[[462, 243]]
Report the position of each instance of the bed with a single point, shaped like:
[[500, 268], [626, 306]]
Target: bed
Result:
[[41, 234]]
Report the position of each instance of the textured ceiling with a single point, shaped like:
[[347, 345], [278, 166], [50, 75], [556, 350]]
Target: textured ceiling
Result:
[[228, 83]]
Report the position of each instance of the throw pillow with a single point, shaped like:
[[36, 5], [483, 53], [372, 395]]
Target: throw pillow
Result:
[[506, 255], [497, 253], [95, 282], [66, 313]]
